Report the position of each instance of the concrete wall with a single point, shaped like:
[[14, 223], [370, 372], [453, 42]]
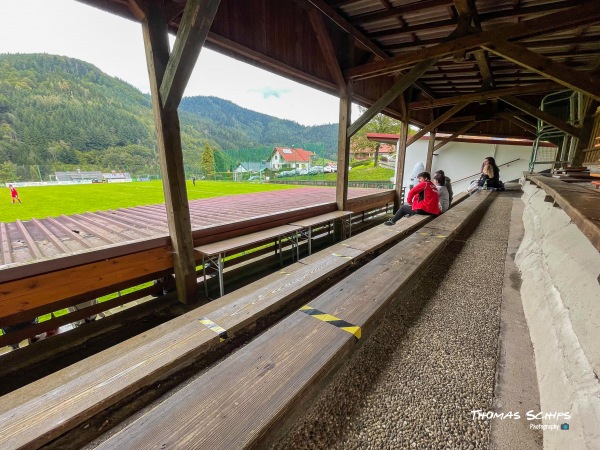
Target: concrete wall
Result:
[[462, 159], [561, 299]]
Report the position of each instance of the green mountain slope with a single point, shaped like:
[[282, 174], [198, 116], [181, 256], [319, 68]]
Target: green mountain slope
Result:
[[59, 113]]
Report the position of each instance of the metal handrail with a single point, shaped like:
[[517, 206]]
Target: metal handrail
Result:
[[467, 177]]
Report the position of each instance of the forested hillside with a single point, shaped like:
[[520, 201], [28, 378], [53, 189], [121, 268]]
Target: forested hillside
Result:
[[58, 113]]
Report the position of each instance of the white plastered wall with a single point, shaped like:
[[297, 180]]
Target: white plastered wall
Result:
[[463, 159], [561, 300]]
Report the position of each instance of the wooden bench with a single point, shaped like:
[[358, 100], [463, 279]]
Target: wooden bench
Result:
[[242, 400], [307, 225], [212, 255], [38, 413]]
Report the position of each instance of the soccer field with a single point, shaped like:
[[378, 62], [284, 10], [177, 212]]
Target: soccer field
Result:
[[52, 201]]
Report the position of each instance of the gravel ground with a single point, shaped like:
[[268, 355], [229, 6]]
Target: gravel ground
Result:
[[432, 361]]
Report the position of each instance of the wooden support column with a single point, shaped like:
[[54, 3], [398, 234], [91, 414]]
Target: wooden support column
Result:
[[401, 159], [168, 136], [343, 158], [429, 159], [586, 138]]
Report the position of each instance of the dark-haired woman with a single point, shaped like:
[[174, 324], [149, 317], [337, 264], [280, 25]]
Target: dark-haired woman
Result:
[[489, 173], [422, 199]]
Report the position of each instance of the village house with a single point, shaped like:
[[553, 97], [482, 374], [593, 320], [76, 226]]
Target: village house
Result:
[[290, 158], [369, 152]]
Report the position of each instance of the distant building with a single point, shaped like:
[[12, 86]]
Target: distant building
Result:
[[290, 158], [369, 152], [252, 167]]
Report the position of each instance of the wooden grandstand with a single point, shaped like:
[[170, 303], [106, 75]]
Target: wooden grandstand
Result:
[[451, 66]]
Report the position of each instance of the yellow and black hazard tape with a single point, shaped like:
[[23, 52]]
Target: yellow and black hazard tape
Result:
[[222, 332], [441, 236], [332, 320]]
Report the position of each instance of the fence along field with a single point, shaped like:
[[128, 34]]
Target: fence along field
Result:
[[52, 201]]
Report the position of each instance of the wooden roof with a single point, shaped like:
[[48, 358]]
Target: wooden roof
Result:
[[481, 49]]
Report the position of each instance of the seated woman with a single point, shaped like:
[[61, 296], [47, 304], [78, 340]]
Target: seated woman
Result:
[[422, 199], [447, 183], [489, 173], [440, 183]]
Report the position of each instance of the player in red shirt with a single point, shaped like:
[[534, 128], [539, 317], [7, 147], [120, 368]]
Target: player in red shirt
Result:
[[14, 194]]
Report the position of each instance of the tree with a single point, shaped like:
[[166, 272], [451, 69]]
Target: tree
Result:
[[8, 172], [207, 161], [378, 124]]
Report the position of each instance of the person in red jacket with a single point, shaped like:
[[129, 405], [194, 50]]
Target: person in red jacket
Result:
[[14, 194], [422, 199]]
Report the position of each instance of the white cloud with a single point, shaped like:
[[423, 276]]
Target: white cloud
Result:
[[115, 46]]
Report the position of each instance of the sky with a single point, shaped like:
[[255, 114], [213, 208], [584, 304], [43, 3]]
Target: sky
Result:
[[115, 45]]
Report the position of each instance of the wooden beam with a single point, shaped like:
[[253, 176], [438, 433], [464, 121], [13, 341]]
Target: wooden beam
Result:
[[542, 115], [586, 139], [399, 10], [454, 136], [437, 122], [396, 90], [327, 48], [429, 158], [197, 18], [570, 18], [579, 81], [468, 10], [401, 161], [340, 21], [171, 156], [485, 95], [253, 57], [518, 121], [343, 157]]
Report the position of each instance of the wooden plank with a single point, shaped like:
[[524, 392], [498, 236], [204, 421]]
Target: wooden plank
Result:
[[555, 22], [7, 257], [198, 16], [323, 218], [236, 403], [247, 240], [586, 83], [31, 294], [581, 204], [31, 245], [156, 43]]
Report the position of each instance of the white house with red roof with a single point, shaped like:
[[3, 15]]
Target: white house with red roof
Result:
[[285, 158]]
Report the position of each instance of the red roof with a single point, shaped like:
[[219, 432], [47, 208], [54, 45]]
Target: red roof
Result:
[[294, 154]]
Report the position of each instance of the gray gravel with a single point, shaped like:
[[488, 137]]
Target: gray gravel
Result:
[[432, 361]]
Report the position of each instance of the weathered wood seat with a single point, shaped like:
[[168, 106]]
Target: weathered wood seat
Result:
[[213, 254], [240, 401], [42, 411], [307, 225]]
